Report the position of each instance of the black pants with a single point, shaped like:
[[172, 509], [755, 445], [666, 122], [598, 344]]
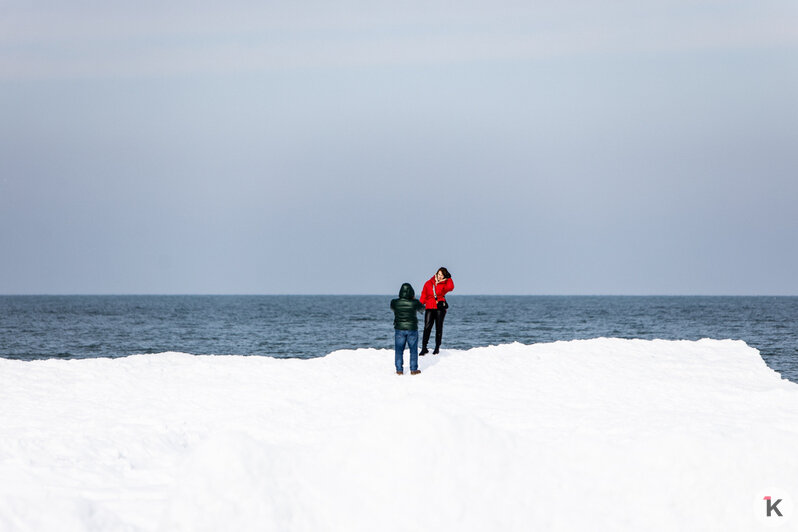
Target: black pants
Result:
[[433, 315]]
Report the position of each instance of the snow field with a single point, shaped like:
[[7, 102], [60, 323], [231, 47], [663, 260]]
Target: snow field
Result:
[[602, 434]]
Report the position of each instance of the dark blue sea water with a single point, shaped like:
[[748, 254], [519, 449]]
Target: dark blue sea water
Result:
[[36, 327]]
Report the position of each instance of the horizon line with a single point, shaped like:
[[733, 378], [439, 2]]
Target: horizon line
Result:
[[111, 294]]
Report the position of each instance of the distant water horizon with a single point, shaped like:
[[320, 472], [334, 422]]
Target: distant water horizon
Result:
[[307, 326], [350, 294]]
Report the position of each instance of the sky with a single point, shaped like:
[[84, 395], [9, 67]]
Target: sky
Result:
[[612, 147]]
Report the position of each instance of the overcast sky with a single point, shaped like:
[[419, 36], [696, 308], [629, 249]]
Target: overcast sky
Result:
[[346, 147]]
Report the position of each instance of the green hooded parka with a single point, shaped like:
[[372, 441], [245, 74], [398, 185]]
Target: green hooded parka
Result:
[[405, 309]]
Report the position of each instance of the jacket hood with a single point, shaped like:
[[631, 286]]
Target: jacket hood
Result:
[[407, 292]]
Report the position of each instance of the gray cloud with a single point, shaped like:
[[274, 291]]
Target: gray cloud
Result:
[[589, 148], [102, 39]]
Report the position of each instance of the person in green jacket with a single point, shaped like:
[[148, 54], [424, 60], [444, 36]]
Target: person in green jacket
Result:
[[405, 323]]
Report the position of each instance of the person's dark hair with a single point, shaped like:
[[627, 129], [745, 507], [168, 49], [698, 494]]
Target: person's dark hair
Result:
[[445, 272]]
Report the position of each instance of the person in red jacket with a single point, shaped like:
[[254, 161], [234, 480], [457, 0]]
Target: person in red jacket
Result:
[[433, 297]]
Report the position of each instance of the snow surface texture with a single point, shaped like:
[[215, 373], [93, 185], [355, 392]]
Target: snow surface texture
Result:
[[601, 434]]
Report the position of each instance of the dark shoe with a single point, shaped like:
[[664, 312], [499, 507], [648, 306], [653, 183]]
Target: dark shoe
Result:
[[423, 352], [415, 372], [436, 352], [400, 372]]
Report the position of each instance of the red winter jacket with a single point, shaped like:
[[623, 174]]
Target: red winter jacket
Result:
[[427, 297]]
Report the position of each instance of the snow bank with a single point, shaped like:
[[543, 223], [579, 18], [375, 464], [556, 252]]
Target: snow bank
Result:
[[601, 434]]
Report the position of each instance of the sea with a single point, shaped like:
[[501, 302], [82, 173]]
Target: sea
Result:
[[75, 327]]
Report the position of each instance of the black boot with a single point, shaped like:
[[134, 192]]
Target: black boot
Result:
[[437, 350], [424, 351]]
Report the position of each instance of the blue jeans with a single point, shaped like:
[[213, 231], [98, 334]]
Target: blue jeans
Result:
[[411, 339]]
